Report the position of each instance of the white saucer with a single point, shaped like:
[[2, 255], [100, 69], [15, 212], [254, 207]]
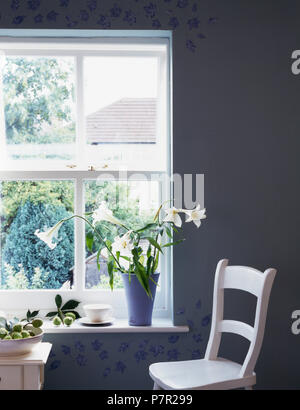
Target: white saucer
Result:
[[87, 321]]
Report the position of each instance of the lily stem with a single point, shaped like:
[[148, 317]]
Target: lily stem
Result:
[[97, 233]]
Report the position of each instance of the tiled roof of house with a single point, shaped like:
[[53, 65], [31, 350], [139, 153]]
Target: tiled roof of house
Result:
[[129, 120]]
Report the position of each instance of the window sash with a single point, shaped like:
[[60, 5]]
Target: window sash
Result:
[[56, 42], [139, 47], [16, 300]]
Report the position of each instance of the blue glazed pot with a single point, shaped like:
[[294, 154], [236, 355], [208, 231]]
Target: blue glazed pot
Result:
[[139, 304]]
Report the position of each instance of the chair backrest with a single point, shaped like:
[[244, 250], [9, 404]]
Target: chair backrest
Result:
[[249, 280]]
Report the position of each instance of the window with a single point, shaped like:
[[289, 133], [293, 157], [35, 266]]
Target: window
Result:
[[81, 121]]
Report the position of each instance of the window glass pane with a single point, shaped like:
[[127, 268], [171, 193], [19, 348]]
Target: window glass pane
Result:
[[134, 203], [38, 99], [121, 109], [27, 262]]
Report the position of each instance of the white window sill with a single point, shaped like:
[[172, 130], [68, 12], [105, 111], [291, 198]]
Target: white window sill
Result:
[[118, 326]]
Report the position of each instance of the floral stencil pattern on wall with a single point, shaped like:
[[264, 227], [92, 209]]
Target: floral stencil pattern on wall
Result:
[[121, 360], [106, 356], [187, 16]]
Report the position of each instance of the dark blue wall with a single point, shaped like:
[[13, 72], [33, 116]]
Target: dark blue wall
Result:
[[236, 120]]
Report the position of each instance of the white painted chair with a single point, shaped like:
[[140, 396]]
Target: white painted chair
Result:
[[213, 373]]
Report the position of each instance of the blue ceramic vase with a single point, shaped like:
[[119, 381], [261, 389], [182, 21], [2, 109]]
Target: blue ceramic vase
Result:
[[139, 304]]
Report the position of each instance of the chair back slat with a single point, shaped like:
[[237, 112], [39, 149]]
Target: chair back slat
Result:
[[243, 278], [249, 280], [238, 328]]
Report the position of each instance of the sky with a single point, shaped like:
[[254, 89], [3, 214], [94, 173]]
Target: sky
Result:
[[109, 79]]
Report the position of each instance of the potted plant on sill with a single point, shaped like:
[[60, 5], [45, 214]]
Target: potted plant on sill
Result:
[[125, 254]]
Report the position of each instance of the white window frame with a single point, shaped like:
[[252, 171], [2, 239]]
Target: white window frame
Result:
[[18, 300], [80, 48]]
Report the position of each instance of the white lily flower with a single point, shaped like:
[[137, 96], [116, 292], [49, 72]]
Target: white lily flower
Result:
[[123, 245], [105, 214], [49, 235], [195, 215], [173, 216]]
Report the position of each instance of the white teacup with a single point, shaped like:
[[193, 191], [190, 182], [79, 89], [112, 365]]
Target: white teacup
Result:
[[98, 312]]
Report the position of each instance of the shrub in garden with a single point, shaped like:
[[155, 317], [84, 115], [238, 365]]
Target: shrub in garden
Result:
[[23, 249]]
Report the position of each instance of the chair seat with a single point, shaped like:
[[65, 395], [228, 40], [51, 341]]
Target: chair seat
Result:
[[199, 375]]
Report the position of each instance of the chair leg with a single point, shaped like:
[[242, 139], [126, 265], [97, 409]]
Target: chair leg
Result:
[[249, 388], [156, 387]]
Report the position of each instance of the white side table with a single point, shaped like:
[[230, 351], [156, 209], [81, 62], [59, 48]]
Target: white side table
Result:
[[24, 372]]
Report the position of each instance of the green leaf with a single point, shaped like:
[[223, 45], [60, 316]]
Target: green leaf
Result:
[[174, 229], [160, 230], [89, 240], [141, 272], [149, 251], [152, 280], [108, 244], [155, 263], [98, 258], [126, 258], [142, 278], [148, 226], [149, 263], [157, 213], [70, 305], [135, 253], [173, 243], [168, 232], [154, 243], [110, 268], [58, 301], [138, 250], [35, 313], [60, 314], [51, 314]]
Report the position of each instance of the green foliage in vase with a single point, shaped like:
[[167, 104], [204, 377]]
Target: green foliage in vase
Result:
[[117, 196], [126, 254]]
